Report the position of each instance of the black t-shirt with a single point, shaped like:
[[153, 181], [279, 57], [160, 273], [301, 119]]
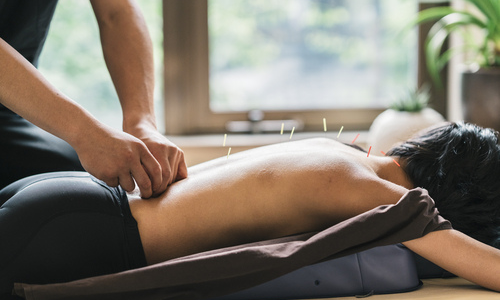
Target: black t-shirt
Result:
[[24, 25]]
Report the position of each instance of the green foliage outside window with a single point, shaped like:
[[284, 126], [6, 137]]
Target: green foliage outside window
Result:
[[72, 58], [323, 45]]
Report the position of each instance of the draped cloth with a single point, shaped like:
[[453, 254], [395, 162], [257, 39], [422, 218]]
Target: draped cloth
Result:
[[224, 271]]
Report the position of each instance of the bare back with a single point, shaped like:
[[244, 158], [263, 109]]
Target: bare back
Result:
[[264, 193]]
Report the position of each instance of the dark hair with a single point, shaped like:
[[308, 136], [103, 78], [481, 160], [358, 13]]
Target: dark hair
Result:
[[459, 165]]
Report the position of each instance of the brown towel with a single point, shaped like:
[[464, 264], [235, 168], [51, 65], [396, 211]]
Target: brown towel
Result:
[[228, 270]]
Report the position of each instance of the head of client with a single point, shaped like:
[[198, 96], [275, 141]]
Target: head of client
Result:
[[459, 164]]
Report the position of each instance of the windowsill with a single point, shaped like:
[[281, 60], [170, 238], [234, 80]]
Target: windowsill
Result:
[[200, 148]]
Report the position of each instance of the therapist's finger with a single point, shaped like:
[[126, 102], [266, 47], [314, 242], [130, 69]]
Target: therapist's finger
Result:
[[112, 182], [182, 171], [153, 172], [127, 182], [143, 181]]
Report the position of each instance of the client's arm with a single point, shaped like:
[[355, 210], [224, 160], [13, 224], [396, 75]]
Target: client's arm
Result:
[[461, 255]]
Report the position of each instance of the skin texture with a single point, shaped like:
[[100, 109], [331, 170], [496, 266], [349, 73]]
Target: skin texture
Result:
[[264, 193], [138, 153], [287, 189]]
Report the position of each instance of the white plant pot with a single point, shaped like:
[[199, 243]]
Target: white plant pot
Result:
[[392, 127]]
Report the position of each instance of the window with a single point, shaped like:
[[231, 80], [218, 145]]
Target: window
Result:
[[206, 88], [301, 60], [72, 59], [308, 54]]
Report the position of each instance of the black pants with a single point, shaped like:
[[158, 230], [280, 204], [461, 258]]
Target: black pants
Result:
[[63, 226], [27, 150]]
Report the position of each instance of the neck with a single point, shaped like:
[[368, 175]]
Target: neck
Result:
[[386, 168]]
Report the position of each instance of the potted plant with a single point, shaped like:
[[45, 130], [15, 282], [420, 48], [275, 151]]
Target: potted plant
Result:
[[407, 116], [480, 84]]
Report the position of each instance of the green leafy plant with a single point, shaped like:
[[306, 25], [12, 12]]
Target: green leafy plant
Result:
[[414, 100], [486, 52]]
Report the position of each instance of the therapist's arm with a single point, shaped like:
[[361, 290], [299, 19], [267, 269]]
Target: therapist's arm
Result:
[[461, 255], [128, 54], [112, 156]]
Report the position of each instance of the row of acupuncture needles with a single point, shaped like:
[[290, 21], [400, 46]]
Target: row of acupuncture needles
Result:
[[324, 129]]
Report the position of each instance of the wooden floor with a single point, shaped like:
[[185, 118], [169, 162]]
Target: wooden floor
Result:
[[439, 289]]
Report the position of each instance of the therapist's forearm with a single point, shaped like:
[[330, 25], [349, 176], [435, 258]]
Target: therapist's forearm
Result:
[[128, 54], [26, 92], [115, 157]]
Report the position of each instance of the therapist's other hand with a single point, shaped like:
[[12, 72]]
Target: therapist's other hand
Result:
[[118, 158], [170, 157]]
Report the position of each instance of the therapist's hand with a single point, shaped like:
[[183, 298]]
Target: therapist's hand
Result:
[[118, 158], [170, 157]]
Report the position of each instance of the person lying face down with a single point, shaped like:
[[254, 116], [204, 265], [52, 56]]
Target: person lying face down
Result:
[[309, 185], [302, 186], [459, 165]]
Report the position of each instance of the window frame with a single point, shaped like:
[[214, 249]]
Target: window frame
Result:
[[186, 81]]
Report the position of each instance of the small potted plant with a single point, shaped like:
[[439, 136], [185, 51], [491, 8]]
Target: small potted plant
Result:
[[480, 84], [407, 116]]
